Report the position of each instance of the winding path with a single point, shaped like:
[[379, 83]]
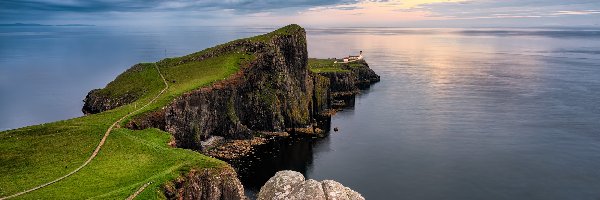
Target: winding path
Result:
[[138, 191], [99, 144]]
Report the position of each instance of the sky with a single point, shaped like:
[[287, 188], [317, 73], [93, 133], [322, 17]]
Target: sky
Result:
[[311, 13]]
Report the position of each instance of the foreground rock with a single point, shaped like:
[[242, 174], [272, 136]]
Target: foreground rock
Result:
[[292, 185], [206, 184]]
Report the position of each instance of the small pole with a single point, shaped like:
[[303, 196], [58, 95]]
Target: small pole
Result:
[[165, 53]]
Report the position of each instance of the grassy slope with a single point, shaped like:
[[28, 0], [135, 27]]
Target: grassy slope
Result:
[[34, 155], [325, 65]]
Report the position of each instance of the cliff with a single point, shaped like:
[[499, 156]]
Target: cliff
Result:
[[272, 88], [206, 184], [270, 94], [345, 79]]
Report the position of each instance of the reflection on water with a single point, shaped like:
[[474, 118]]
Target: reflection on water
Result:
[[458, 114], [468, 116]]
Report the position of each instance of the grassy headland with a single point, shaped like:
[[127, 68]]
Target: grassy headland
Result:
[[325, 65], [34, 155]]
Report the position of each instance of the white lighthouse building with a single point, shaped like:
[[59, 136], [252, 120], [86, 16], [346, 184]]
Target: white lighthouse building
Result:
[[353, 58]]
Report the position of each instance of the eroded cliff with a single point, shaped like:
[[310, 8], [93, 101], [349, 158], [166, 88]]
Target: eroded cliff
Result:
[[206, 184]]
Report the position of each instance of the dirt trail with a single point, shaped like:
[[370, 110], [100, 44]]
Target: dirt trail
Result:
[[138, 191], [106, 134]]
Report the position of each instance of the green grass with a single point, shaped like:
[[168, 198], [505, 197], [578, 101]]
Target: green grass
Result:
[[193, 75], [325, 65], [286, 30], [137, 81], [34, 155], [128, 160]]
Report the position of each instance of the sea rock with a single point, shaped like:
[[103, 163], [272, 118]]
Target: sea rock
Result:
[[292, 185], [212, 142]]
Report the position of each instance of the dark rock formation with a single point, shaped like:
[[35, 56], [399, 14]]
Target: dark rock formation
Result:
[[365, 75], [272, 93], [206, 184], [95, 102], [358, 76], [292, 185], [99, 100]]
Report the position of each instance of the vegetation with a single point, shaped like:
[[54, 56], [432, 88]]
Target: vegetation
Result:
[[287, 30], [34, 155], [326, 65]]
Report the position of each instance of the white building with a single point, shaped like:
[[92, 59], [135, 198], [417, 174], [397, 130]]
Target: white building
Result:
[[353, 58]]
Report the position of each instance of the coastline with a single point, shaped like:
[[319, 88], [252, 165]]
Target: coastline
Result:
[[296, 101]]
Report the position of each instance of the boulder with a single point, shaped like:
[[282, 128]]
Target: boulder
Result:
[[292, 185]]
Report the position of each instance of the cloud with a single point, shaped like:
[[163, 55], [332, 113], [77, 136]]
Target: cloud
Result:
[[577, 12], [158, 5], [134, 11], [308, 12]]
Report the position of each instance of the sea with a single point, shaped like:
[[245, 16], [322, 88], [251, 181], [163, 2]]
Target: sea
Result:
[[472, 113]]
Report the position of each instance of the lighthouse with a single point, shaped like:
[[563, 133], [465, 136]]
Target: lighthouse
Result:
[[353, 58]]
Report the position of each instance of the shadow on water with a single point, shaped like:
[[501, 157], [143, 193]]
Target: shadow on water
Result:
[[284, 153]]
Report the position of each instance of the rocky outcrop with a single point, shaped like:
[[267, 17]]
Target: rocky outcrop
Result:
[[272, 93], [96, 102], [357, 75], [364, 74], [206, 184], [292, 185]]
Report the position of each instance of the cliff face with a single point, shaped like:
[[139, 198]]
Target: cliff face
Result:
[[354, 77], [273, 93], [206, 184], [95, 102]]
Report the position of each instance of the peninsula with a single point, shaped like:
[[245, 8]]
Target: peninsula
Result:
[[147, 134]]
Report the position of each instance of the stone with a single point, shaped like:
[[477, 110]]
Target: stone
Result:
[[336, 191], [292, 185], [308, 190], [212, 142], [281, 185]]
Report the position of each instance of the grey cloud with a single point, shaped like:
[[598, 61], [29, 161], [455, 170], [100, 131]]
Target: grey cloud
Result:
[[154, 5], [39, 10]]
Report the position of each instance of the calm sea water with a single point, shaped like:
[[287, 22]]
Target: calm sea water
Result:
[[459, 114]]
